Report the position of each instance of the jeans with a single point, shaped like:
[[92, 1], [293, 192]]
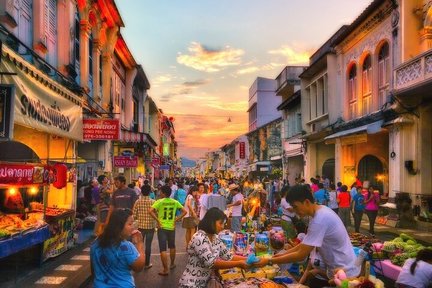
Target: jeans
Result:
[[236, 223], [372, 214], [358, 214], [147, 235], [344, 214]]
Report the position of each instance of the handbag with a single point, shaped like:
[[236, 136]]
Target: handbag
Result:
[[214, 281]]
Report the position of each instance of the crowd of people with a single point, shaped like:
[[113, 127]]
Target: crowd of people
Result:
[[319, 211]]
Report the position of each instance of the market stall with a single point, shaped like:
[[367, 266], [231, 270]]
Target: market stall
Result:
[[27, 218]]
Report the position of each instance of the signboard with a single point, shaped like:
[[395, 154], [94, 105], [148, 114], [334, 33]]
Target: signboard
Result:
[[41, 108], [126, 162], [101, 129], [242, 151], [164, 167], [7, 100], [166, 149], [13, 174]]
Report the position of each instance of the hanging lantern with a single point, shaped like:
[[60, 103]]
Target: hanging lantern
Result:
[[60, 179]]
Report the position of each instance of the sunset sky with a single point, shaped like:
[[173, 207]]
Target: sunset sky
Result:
[[201, 56]]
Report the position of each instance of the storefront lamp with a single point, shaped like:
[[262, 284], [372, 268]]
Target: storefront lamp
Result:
[[33, 191], [12, 191], [380, 177]]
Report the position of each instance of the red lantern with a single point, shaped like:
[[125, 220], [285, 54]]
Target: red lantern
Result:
[[60, 171]]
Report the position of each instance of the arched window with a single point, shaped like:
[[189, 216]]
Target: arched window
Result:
[[352, 94], [367, 85], [383, 74]]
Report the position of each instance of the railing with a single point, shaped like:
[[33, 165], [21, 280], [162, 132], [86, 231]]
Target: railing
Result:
[[288, 76], [414, 71]]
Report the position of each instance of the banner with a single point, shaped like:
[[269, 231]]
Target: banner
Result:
[[242, 151], [39, 107], [21, 174], [101, 129], [125, 161], [7, 101]]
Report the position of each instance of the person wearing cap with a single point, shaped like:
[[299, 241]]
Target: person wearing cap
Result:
[[236, 207]]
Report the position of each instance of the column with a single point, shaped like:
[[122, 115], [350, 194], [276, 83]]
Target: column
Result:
[[130, 77], [96, 67], [107, 52], [85, 30]]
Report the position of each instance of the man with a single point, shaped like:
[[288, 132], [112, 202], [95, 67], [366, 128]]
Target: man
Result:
[[237, 206], [173, 187], [164, 212], [123, 197], [326, 233]]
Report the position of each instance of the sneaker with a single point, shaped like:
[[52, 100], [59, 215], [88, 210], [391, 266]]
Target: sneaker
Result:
[[148, 266]]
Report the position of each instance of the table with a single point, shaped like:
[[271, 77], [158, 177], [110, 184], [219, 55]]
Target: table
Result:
[[20, 242]]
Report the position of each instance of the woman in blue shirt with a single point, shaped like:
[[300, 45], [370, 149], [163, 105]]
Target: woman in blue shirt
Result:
[[113, 257], [358, 206]]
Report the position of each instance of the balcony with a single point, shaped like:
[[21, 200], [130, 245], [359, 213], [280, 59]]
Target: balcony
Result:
[[414, 77], [288, 79]]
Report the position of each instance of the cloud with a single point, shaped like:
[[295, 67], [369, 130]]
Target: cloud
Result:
[[248, 70], [196, 83], [295, 54], [205, 59], [185, 88]]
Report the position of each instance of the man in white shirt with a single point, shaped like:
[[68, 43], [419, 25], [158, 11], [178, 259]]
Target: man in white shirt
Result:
[[237, 206], [173, 187], [326, 233]]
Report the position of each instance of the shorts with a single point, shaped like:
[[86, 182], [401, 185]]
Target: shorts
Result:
[[164, 237]]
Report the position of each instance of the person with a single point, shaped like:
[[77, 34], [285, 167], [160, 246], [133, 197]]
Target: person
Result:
[[124, 197], [102, 208], [148, 186], [180, 194], [287, 216], [314, 269], [112, 256], [164, 212], [354, 189], [372, 200], [321, 196], [357, 206], [417, 272], [344, 202], [325, 232], [146, 223], [236, 207], [189, 221], [332, 202], [202, 200], [207, 251]]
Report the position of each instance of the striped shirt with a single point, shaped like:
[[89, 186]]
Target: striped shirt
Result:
[[141, 213]]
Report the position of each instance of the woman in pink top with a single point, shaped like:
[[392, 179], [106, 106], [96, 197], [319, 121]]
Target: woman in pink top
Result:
[[372, 200]]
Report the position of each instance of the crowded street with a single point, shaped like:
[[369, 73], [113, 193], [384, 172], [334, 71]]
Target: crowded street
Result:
[[216, 144]]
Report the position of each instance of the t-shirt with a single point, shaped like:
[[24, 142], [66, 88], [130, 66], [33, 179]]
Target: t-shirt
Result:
[[237, 210], [285, 213], [327, 233], [112, 265], [372, 205], [166, 210], [358, 202], [203, 202], [321, 196], [124, 198], [180, 196], [344, 200], [422, 277], [332, 203]]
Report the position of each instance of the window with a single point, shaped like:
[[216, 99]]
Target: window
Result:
[[367, 85], [25, 29], [383, 74], [50, 28], [352, 88]]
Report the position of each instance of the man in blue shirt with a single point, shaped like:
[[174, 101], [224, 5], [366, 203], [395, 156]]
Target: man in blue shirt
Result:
[[358, 206], [321, 196]]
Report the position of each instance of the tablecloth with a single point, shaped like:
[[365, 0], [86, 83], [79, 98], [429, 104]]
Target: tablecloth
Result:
[[20, 242]]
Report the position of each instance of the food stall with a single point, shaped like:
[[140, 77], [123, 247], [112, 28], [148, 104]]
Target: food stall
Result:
[[26, 218]]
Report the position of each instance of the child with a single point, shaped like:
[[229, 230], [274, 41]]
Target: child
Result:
[[417, 272], [277, 242]]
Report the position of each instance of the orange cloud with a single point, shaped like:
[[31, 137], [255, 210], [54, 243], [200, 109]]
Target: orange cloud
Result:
[[210, 60], [295, 54]]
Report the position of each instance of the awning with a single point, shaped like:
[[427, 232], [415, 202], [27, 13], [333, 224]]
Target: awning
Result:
[[136, 137], [371, 128]]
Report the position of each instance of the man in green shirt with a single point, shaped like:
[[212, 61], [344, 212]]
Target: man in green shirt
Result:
[[164, 212]]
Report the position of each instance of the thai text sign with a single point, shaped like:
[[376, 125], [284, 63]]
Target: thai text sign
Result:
[[101, 129], [12, 174], [242, 151], [125, 161]]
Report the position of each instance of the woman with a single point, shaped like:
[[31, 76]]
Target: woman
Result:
[[288, 215], [372, 200], [344, 202], [417, 272], [112, 256], [206, 252], [358, 206], [189, 221], [332, 203]]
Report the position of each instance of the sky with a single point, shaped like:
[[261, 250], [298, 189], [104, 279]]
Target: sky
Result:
[[202, 56]]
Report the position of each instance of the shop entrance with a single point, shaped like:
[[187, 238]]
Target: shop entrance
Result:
[[371, 169], [12, 151], [328, 169]]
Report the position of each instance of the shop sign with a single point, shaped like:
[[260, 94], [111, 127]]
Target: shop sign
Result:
[[15, 174], [166, 149], [101, 129], [164, 167], [7, 100], [41, 108], [242, 150], [61, 237], [126, 162]]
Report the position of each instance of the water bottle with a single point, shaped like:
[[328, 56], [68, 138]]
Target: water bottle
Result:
[[360, 257]]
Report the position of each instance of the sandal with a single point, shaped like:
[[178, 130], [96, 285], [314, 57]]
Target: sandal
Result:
[[163, 273], [172, 266], [148, 266]]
